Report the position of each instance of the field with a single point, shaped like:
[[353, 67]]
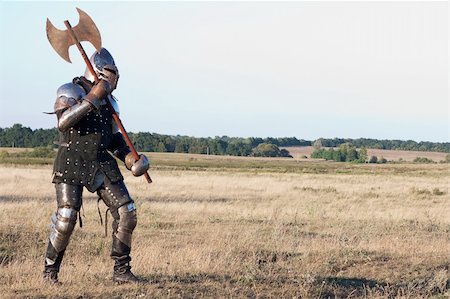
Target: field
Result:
[[224, 227], [390, 155]]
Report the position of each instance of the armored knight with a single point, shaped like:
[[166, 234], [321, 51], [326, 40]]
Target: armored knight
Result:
[[87, 135]]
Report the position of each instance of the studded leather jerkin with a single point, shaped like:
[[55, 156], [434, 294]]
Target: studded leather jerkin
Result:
[[83, 151]]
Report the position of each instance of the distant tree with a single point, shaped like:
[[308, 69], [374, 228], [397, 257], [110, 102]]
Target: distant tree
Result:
[[382, 160]]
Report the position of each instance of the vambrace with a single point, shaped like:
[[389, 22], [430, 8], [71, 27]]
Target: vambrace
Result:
[[119, 147], [63, 223], [73, 115]]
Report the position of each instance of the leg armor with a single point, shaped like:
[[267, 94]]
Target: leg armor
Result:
[[63, 222], [116, 197]]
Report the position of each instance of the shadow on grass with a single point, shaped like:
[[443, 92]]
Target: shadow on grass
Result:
[[353, 282]]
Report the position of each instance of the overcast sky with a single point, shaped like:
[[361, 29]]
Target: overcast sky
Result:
[[303, 69]]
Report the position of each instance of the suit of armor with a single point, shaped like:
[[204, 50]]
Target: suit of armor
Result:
[[87, 135]]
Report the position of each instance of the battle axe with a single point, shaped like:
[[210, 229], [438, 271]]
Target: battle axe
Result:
[[85, 30]]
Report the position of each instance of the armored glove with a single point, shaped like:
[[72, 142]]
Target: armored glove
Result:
[[138, 167], [98, 92]]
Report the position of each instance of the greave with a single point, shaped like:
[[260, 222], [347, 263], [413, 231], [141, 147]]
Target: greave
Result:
[[62, 224], [125, 221]]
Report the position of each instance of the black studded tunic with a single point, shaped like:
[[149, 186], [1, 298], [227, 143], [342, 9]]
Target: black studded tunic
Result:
[[83, 150]]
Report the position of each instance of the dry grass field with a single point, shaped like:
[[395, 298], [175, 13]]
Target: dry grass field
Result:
[[252, 228], [390, 155]]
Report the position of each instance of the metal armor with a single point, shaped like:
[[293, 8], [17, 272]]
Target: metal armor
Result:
[[87, 135], [105, 67]]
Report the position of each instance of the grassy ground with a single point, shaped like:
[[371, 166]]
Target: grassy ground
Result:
[[241, 227]]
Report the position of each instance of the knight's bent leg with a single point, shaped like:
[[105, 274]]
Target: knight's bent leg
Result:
[[69, 201], [123, 210]]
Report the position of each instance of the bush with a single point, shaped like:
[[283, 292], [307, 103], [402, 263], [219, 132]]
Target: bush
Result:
[[269, 150], [373, 159], [382, 160], [422, 160], [40, 152], [4, 154]]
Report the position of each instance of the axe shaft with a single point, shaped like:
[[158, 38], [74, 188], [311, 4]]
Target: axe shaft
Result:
[[108, 103]]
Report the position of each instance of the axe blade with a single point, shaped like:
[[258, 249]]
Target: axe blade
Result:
[[85, 30], [60, 40]]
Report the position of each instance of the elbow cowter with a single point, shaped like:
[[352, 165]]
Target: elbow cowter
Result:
[[73, 115]]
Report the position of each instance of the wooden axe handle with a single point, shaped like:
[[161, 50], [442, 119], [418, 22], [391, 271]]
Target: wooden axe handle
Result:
[[108, 103]]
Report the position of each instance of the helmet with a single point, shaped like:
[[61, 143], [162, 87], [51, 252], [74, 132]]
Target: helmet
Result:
[[104, 66]]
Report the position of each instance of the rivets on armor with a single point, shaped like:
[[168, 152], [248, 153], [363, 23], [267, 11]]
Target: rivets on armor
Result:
[[65, 180], [78, 142], [79, 132], [73, 181], [67, 162], [65, 171]]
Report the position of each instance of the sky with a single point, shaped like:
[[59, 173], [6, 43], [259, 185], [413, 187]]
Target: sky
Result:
[[305, 69]]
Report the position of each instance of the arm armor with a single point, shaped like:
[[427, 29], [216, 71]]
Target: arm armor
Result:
[[69, 117], [69, 107], [73, 103], [119, 147]]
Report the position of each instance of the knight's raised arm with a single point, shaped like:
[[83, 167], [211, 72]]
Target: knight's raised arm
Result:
[[72, 102]]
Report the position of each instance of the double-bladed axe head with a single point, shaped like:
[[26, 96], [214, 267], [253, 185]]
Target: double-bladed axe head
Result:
[[85, 30]]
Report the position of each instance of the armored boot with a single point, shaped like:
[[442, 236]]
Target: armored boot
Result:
[[53, 261], [122, 270], [123, 274], [50, 276]]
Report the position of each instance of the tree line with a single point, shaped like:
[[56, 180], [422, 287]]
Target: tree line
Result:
[[408, 145], [20, 136]]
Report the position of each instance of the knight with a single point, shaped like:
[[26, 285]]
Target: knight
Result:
[[87, 136]]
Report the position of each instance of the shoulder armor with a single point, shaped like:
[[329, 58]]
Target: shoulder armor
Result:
[[67, 95], [71, 90]]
